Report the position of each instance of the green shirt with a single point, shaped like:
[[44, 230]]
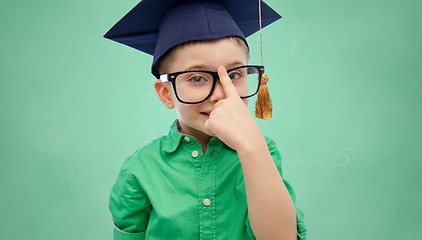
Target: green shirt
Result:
[[169, 190]]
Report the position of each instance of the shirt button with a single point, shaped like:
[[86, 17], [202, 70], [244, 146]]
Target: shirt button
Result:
[[207, 202], [187, 139], [195, 154]]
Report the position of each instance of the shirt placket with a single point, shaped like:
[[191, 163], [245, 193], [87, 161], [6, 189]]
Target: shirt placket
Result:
[[206, 200]]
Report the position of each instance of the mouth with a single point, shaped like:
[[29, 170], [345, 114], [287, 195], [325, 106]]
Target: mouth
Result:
[[205, 114]]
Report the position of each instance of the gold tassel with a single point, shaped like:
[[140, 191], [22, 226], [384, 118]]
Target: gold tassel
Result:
[[263, 106]]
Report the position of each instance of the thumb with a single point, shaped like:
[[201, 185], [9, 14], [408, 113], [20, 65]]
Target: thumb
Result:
[[206, 124]]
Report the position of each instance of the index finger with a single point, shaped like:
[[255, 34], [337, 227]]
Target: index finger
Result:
[[227, 83]]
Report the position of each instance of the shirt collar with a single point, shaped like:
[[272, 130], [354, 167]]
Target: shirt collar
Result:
[[173, 138]]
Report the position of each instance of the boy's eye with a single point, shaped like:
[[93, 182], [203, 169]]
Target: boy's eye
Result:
[[197, 79], [235, 75]]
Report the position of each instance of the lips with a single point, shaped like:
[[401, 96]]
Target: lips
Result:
[[206, 113]]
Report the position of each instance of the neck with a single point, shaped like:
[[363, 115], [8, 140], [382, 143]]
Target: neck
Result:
[[201, 137], [204, 140]]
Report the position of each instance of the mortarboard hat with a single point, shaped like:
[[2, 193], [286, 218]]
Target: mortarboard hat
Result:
[[156, 26]]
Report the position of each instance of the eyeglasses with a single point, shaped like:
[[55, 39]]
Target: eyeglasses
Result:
[[196, 86]]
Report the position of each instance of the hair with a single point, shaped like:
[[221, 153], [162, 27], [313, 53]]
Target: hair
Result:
[[165, 59]]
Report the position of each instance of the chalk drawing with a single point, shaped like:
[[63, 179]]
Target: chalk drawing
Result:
[[342, 157], [95, 5], [95, 81], [151, 136], [278, 107], [83, 149], [298, 109], [297, 159], [391, 210], [292, 47], [68, 184], [90, 45], [298, 33], [367, 208], [323, 155], [319, 153]]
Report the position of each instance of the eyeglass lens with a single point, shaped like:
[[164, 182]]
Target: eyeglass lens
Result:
[[196, 86]]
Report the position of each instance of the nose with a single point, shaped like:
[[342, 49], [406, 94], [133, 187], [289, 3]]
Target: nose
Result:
[[218, 92]]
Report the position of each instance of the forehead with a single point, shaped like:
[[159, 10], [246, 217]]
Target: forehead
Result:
[[208, 55]]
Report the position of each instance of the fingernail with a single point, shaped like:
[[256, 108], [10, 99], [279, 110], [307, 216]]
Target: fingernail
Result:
[[221, 69]]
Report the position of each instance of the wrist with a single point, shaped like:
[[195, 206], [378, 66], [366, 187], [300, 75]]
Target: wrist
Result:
[[252, 148]]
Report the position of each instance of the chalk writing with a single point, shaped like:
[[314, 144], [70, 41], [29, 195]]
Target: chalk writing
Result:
[[343, 158], [67, 184], [322, 155], [298, 33], [298, 109], [319, 153]]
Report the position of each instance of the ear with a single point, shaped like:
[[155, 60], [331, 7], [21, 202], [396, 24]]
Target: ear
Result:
[[164, 94]]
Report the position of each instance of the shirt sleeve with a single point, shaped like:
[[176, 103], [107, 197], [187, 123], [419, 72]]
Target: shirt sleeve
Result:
[[301, 229], [129, 207]]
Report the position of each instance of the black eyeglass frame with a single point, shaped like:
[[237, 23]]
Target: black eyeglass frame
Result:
[[171, 77]]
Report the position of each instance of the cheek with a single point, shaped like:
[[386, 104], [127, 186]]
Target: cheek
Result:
[[171, 93], [246, 101], [186, 110]]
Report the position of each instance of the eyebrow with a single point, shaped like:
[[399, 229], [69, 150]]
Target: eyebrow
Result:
[[205, 67], [236, 64], [196, 67]]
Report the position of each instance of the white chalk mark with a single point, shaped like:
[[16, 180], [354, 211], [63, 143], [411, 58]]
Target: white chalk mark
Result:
[[151, 136], [298, 109], [343, 158], [298, 33], [95, 5], [68, 183], [297, 159], [320, 153], [292, 47]]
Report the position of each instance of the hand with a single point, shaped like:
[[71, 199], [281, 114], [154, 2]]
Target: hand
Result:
[[230, 119]]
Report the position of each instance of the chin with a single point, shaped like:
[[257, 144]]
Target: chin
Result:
[[205, 131], [209, 133]]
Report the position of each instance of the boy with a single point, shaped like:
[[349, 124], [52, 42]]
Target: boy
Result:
[[214, 176]]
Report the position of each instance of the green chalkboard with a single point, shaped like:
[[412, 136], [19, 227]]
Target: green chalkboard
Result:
[[345, 80]]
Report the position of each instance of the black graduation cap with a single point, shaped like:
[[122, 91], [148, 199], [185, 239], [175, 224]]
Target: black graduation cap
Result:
[[156, 26]]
